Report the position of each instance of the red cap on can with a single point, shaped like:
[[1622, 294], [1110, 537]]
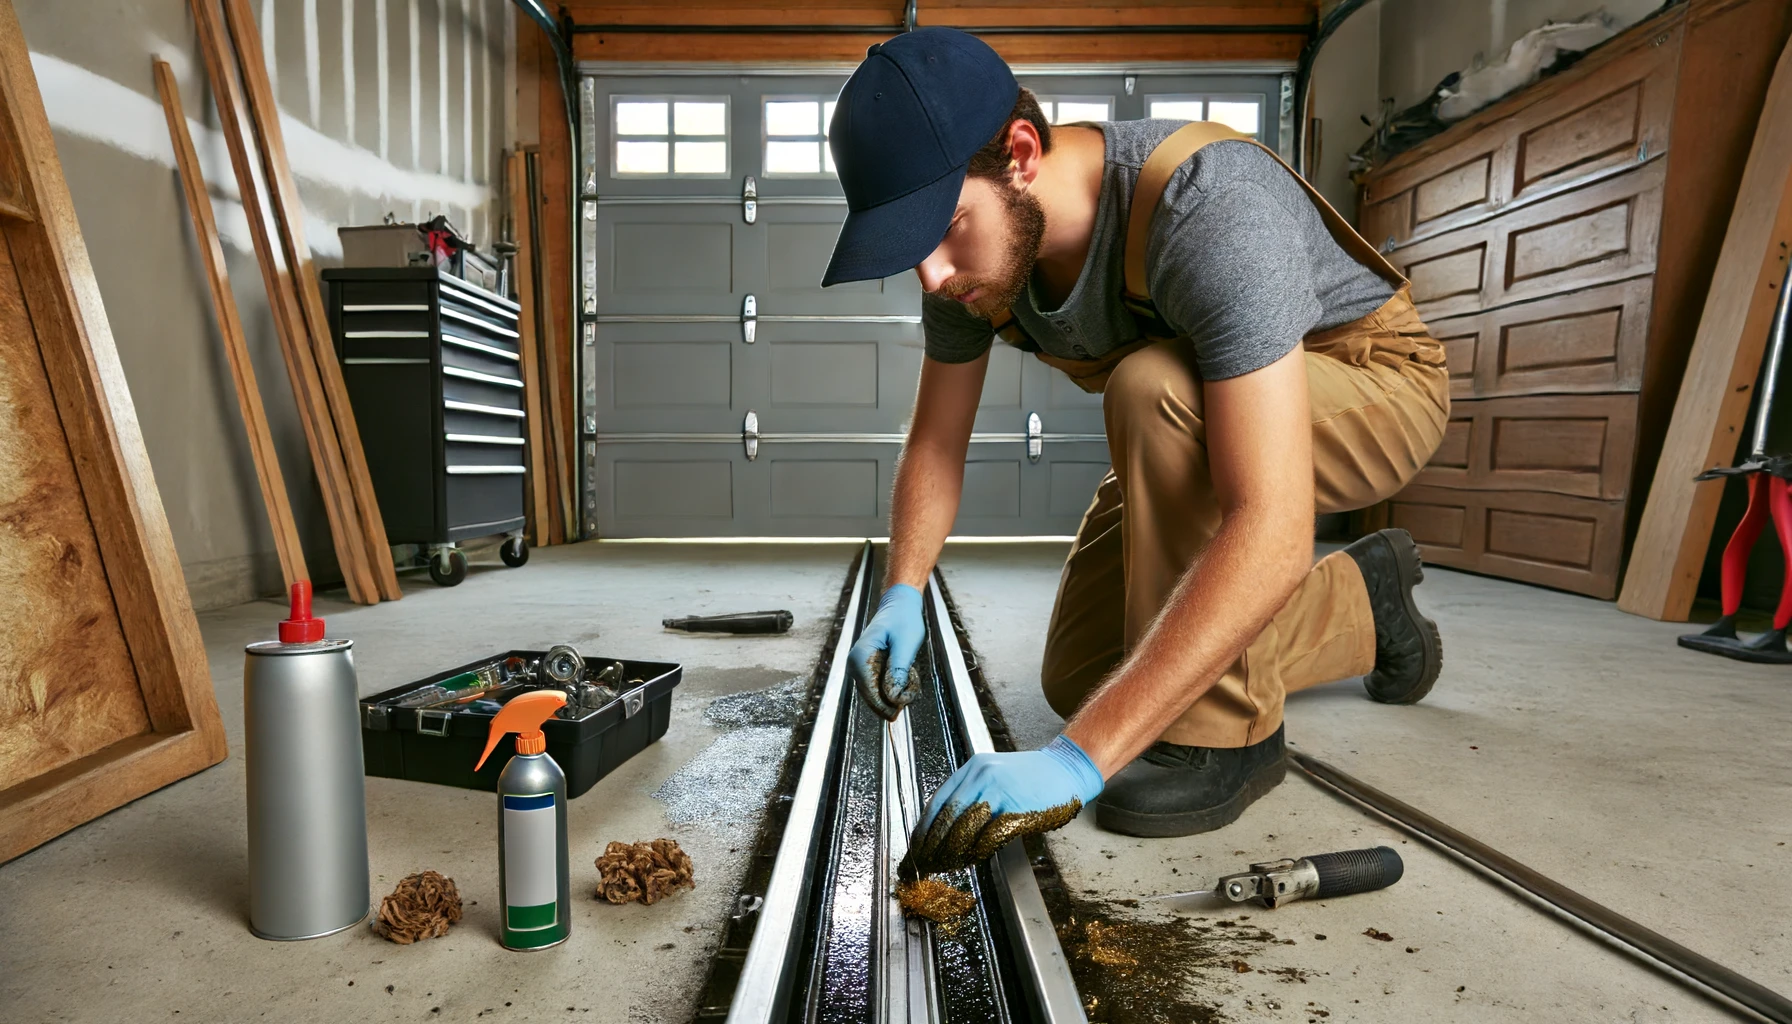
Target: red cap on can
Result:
[[301, 628]]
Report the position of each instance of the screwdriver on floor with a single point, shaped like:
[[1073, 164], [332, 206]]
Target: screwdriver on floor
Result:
[[1318, 877]]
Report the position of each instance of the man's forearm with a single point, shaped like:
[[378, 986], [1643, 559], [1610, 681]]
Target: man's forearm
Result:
[[923, 504], [1219, 606]]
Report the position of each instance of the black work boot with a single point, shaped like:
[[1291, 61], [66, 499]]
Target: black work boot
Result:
[[1173, 790], [1408, 651]]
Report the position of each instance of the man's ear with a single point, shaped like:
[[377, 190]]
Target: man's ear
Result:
[[1026, 153]]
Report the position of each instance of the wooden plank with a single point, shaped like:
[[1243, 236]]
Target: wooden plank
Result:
[[966, 15], [1727, 62], [289, 216], [129, 525], [230, 331], [1720, 374], [524, 236], [289, 322], [550, 186]]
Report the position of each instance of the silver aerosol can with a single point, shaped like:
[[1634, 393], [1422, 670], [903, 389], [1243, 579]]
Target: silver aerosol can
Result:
[[534, 887], [307, 794]]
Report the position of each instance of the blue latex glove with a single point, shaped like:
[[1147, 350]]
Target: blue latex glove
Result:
[[993, 798], [879, 662]]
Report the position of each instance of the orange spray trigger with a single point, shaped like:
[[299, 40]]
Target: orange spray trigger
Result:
[[523, 715]]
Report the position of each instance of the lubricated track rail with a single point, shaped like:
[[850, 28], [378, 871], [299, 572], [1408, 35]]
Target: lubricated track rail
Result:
[[819, 937]]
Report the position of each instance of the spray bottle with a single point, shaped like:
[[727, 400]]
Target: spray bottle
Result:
[[307, 794], [533, 886]]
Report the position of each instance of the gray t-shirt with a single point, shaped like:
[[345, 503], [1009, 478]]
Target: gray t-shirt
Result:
[[1239, 261]]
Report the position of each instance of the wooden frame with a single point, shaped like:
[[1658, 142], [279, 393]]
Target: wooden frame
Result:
[[142, 570]]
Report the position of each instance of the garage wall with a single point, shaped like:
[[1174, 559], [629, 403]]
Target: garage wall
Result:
[[1346, 88], [370, 128], [1424, 40]]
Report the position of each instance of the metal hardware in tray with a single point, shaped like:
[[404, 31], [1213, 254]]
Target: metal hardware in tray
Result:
[[426, 731]]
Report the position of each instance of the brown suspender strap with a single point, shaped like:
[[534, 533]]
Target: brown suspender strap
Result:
[[1172, 153]]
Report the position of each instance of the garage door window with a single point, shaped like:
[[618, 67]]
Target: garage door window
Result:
[[1069, 109], [1240, 113], [669, 136], [796, 137]]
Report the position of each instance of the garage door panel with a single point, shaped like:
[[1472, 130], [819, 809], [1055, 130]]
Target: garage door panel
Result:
[[824, 374], [683, 375], [659, 488], [667, 263], [824, 488]]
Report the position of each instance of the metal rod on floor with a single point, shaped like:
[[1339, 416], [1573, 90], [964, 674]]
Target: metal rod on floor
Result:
[[1705, 976]]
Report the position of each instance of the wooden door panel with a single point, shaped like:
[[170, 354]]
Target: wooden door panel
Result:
[[1564, 444], [1590, 340], [1598, 120], [67, 685], [1557, 540], [1601, 234]]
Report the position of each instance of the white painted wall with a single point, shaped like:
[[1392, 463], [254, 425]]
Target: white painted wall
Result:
[[1424, 40], [1345, 89], [398, 106]]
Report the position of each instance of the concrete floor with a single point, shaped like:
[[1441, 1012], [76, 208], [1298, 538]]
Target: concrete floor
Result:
[[142, 914], [1563, 732]]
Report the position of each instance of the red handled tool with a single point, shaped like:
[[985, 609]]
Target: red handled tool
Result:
[[1768, 496]]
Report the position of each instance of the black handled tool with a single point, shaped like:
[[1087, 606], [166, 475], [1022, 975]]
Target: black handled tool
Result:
[[1320, 876], [740, 622]]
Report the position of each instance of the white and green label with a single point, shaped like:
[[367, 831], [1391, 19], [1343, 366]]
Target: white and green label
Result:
[[531, 863]]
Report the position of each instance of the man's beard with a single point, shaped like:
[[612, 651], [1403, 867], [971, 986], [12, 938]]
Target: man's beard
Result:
[[1026, 232]]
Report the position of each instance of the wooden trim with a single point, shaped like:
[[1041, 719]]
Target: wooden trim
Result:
[[289, 217], [524, 236], [129, 523], [1301, 14], [289, 322], [230, 331], [1016, 49], [36, 811], [1720, 374]]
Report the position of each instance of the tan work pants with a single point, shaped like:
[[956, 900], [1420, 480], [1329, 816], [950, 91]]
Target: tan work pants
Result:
[[1380, 398]]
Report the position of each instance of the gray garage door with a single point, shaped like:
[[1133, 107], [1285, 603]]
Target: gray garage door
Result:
[[728, 394]]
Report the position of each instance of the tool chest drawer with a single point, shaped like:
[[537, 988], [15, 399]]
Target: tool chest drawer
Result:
[[434, 372]]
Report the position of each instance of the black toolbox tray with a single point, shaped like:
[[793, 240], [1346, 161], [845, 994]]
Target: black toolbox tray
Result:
[[442, 747]]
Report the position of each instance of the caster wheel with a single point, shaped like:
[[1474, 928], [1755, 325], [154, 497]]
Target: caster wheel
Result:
[[515, 552], [450, 570]]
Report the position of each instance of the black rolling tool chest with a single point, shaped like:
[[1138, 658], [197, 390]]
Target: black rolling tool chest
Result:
[[434, 372]]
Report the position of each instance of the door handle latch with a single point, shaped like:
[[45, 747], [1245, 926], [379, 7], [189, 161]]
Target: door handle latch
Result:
[[1035, 437], [749, 200], [749, 319], [749, 435]]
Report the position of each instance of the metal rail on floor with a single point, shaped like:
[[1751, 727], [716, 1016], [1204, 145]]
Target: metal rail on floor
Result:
[[831, 943], [1702, 974]]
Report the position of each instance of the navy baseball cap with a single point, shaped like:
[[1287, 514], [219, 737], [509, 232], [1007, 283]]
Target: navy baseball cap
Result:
[[905, 128]]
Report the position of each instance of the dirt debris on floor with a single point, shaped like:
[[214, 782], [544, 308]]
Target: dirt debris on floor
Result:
[[422, 906], [934, 900], [780, 705], [647, 871]]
